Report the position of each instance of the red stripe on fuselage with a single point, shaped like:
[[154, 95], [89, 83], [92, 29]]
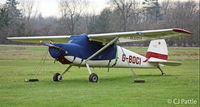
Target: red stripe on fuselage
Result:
[[155, 55]]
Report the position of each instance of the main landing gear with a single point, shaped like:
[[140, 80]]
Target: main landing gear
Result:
[[92, 78], [163, 74], [58, 76]]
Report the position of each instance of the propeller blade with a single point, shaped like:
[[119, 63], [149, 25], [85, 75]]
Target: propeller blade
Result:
[[45, 43], [53, 46]]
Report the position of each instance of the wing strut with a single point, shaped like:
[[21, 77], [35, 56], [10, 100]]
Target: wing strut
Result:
[[93, 77]]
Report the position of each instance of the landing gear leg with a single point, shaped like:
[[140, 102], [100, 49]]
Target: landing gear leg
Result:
[[161, 71], [93, 77], [58, 76]]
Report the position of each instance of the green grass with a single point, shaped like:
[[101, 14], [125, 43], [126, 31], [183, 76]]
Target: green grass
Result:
[[114, 89]]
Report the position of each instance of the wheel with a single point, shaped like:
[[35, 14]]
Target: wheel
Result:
[[57, 77], [93, 77], [163, 74]]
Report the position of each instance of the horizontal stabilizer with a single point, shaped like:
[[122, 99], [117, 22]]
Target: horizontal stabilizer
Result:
[[164, 62]]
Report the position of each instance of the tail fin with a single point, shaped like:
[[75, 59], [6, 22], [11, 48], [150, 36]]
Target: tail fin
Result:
[[157, 53], [157, 49]]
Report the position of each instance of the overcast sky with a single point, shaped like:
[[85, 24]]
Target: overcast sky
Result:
[[50, 7]]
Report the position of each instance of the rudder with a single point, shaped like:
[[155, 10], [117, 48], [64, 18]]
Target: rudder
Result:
[[157, 49]]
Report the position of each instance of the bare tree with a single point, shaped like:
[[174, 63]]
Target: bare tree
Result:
[[124, 7], [29, 11], [28, 8], [71, 11], [165, 5]]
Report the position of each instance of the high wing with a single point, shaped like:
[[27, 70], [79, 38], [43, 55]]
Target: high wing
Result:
[[37, 39], [107, 37], [140, 35]]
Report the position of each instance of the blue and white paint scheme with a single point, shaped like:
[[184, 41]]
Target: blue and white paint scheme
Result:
[[101, 50]]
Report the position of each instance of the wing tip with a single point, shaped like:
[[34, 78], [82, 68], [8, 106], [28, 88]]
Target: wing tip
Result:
[[181, 30], [13, 38], [8, 38]]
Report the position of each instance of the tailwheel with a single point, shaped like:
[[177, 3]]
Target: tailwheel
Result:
[[163, 74], [57, 77], [93, 77]]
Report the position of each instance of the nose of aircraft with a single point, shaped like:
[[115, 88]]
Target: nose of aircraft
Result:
[[55, 51]]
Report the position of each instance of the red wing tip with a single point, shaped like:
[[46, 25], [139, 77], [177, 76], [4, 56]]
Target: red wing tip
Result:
[[181, 30]]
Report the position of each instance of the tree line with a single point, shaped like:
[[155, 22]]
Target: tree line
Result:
[[121, 15]]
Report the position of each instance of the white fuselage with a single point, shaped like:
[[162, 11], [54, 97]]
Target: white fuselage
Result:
[[124, 59]]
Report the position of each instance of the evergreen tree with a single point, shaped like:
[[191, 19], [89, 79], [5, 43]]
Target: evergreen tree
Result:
[[14, 14], [3, 17], [11, 21]]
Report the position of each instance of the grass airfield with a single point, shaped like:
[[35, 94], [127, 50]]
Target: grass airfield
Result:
[[114, 89]]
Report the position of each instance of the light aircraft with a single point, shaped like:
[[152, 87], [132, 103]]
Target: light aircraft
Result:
[[101, 50]]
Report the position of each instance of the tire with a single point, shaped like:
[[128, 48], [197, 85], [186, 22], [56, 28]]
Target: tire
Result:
[[57, 77], [93, 78]]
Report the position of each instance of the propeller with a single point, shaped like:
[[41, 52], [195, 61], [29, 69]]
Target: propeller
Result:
[[53, 46]]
